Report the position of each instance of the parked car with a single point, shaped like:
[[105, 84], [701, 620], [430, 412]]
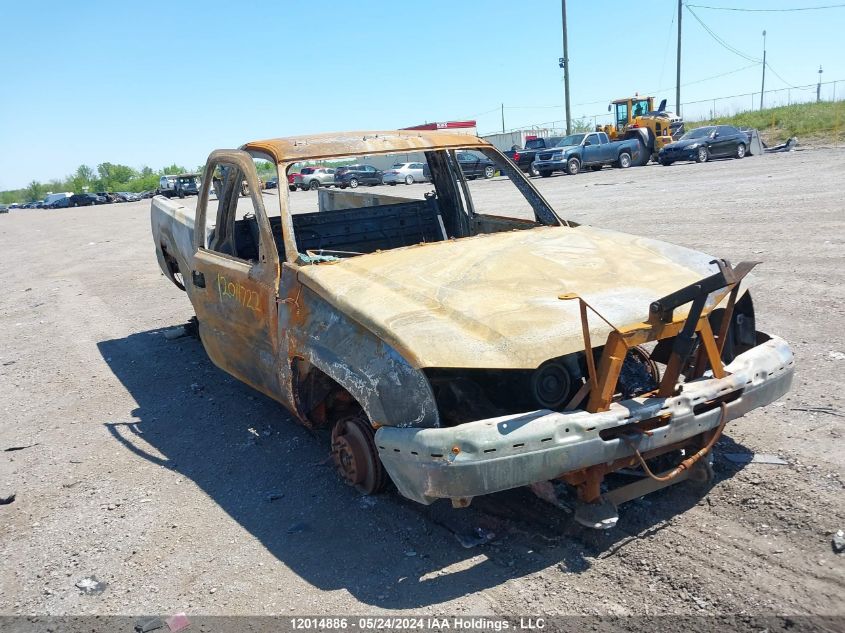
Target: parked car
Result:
[[354, 175], [704, 143], [52, 197], [476, 166], [273, 183], [147, 194], [180, 185], [85, 200], [594, 150], [4, 208], [126, 196], [524, 158], [409, 173], [58, 203], [314, 178]]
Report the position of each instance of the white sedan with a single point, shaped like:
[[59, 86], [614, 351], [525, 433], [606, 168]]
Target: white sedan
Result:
[[409, 173]]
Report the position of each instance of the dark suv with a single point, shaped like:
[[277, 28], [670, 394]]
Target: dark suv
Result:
[[354, 175], [186, 185], [85, 199]]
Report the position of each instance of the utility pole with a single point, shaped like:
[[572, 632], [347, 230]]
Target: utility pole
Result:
[[564, 63], [678, 63], [503, 118], [819, 87], [763, 87]]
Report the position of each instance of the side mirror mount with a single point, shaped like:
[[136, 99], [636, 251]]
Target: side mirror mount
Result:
[[586, 143]]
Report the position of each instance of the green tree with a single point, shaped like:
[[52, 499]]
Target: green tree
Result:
[[115, 177], [79, 180], [34, 191], [173, 169], [582, 125]]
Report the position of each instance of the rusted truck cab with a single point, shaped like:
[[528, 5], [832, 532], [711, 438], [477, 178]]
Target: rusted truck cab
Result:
[[465, 339]]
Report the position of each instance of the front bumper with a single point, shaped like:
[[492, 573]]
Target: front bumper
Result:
[[678, 154], [550, 165], [487, 456]]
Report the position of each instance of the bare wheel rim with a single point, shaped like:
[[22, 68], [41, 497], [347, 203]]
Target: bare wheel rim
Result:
[[355, 455]]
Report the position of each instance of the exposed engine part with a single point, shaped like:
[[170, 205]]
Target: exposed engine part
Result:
[[639, 374], [551, 384], [355, 454]]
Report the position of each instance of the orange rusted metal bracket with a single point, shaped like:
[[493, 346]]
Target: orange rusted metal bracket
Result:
[[661, 324]]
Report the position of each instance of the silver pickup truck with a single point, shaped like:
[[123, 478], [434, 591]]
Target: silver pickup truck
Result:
[[458, 352]]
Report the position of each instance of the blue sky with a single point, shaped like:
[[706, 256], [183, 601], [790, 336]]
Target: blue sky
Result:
[[152, 83]]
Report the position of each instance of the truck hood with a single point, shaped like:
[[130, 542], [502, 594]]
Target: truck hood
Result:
[[492, 301], [558, 148]]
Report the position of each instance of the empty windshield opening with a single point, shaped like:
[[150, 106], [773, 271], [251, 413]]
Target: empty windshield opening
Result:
[[353, 206]]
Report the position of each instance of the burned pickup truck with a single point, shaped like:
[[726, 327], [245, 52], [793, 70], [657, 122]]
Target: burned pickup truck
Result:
[[465, 339]]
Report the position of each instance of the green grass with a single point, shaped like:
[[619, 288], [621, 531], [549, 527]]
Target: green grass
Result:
[[801, 120]]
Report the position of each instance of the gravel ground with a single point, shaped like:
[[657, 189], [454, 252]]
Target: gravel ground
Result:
[[144, 466]]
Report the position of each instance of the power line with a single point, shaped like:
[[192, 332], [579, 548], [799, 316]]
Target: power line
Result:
[[827, 6], [769, 66], [666, 48], [720, 40]]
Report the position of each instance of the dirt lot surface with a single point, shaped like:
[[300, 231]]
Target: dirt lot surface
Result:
[[144, 466]]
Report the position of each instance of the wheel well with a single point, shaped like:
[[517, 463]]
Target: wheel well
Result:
[[172, 267], [319, 398]]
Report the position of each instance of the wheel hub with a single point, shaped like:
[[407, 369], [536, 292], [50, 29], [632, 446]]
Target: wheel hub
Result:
[[355, 455]]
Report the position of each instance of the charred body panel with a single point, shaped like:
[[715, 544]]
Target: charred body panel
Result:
[[490, 455], [380, 380]]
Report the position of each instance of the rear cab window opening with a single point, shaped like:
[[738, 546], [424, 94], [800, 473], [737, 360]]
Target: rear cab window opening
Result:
[[438, 195]]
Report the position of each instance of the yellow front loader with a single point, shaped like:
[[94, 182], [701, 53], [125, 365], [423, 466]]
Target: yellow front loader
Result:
[[635, 117]]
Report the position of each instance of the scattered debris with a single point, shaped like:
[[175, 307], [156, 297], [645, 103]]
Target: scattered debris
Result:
[[367, 502], [90, 586], [177, 332], [827, 410], [296, 528], [196, 387], [479, 536], [838, 542], [836, 355], [178, 622], [410, 553], [19, 448], [783, 147], [275, 496], [545, 490], [6, 498], [755, 458], [144, 625], [9, 362]]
